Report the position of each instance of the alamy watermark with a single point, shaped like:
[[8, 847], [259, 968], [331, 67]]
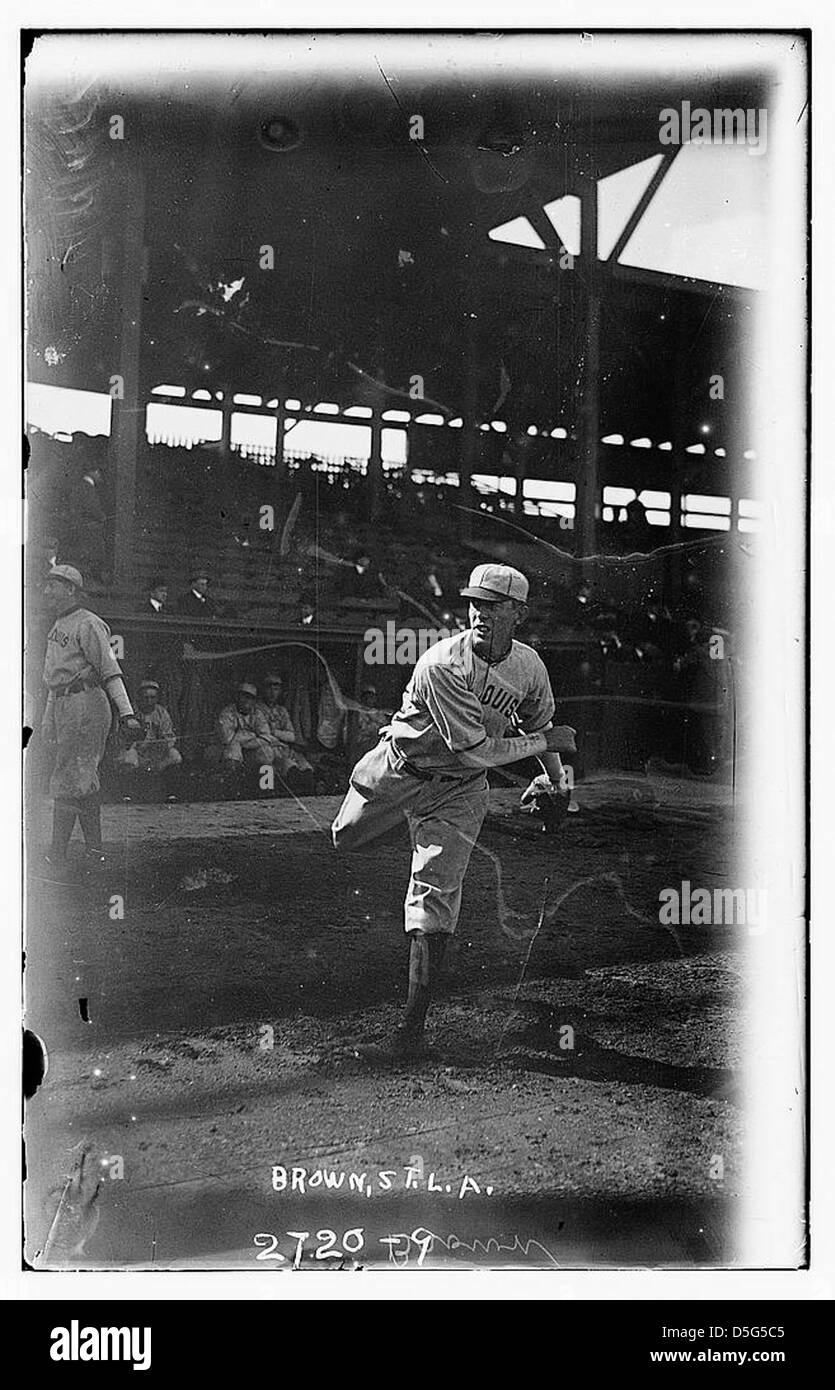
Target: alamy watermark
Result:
[[400, 646], [723, 126], [82, 1343], [720, 907]]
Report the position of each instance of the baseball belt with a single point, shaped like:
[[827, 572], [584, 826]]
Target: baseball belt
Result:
[[424, 776], [75, 687]]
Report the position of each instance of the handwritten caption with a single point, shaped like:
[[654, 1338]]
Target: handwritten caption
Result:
[[402, 1247], [411, 1178]]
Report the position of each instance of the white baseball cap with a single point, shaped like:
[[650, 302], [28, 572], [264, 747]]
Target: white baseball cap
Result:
[[67, 572], [497, 582]]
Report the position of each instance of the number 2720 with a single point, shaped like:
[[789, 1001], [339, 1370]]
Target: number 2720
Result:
[[326, 1248]]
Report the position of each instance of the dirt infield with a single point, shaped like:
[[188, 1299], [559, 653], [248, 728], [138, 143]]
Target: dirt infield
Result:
[[585, 1095]]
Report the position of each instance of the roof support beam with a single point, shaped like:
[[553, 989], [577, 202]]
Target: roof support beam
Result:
[[643, 203]]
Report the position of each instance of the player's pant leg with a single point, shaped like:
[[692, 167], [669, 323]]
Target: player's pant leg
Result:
[[82, 724], [64, 815], [89, 818], [444, 827], [376, 802]]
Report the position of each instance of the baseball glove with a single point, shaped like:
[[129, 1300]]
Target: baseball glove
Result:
[[548, 801], [130, 730]]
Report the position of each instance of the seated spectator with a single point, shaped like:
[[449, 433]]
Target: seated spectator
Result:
[[306, 616], [155, 754], [432, 585], [365, 587], [652, 631], [580, 613], [328, 739], [362, 581], [243, 735], [158, 595], [368, 721], [290, 765], [197, 602]]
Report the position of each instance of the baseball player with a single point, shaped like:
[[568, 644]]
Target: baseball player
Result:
[[430, 768], [156, 751], [291, 765], [243, 734], [82, 677]]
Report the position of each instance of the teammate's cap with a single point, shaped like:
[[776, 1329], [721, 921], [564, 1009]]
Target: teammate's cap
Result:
[[248, 687], [149, 685], [68, 572], [496, 582]]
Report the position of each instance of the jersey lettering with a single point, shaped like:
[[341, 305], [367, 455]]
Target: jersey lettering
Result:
[[502, 700], [455, 701]]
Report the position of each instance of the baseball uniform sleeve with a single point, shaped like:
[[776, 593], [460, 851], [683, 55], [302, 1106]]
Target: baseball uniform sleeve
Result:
[[94, 640], [457, 716], [497, 752], [260, 725], [227, 726], [537, 709]]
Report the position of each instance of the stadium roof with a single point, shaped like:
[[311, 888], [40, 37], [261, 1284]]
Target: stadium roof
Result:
[[389, 258]]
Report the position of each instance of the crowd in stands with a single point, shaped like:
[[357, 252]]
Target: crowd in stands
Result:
[[678, 668], [351, 573]]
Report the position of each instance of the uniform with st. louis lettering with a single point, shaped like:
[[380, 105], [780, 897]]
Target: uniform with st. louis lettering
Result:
[[430, 766], [78, 665], [78, 645], [455, 701]]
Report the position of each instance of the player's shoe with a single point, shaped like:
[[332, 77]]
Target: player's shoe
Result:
[[403, 1045]]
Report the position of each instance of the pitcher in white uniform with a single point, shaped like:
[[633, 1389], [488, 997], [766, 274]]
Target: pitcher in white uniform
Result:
[[430, 768]]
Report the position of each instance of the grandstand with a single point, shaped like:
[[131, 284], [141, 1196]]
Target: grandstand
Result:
[[520, 337]]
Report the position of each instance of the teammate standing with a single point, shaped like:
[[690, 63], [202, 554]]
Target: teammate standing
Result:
[[430, 768], [80, 672]]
